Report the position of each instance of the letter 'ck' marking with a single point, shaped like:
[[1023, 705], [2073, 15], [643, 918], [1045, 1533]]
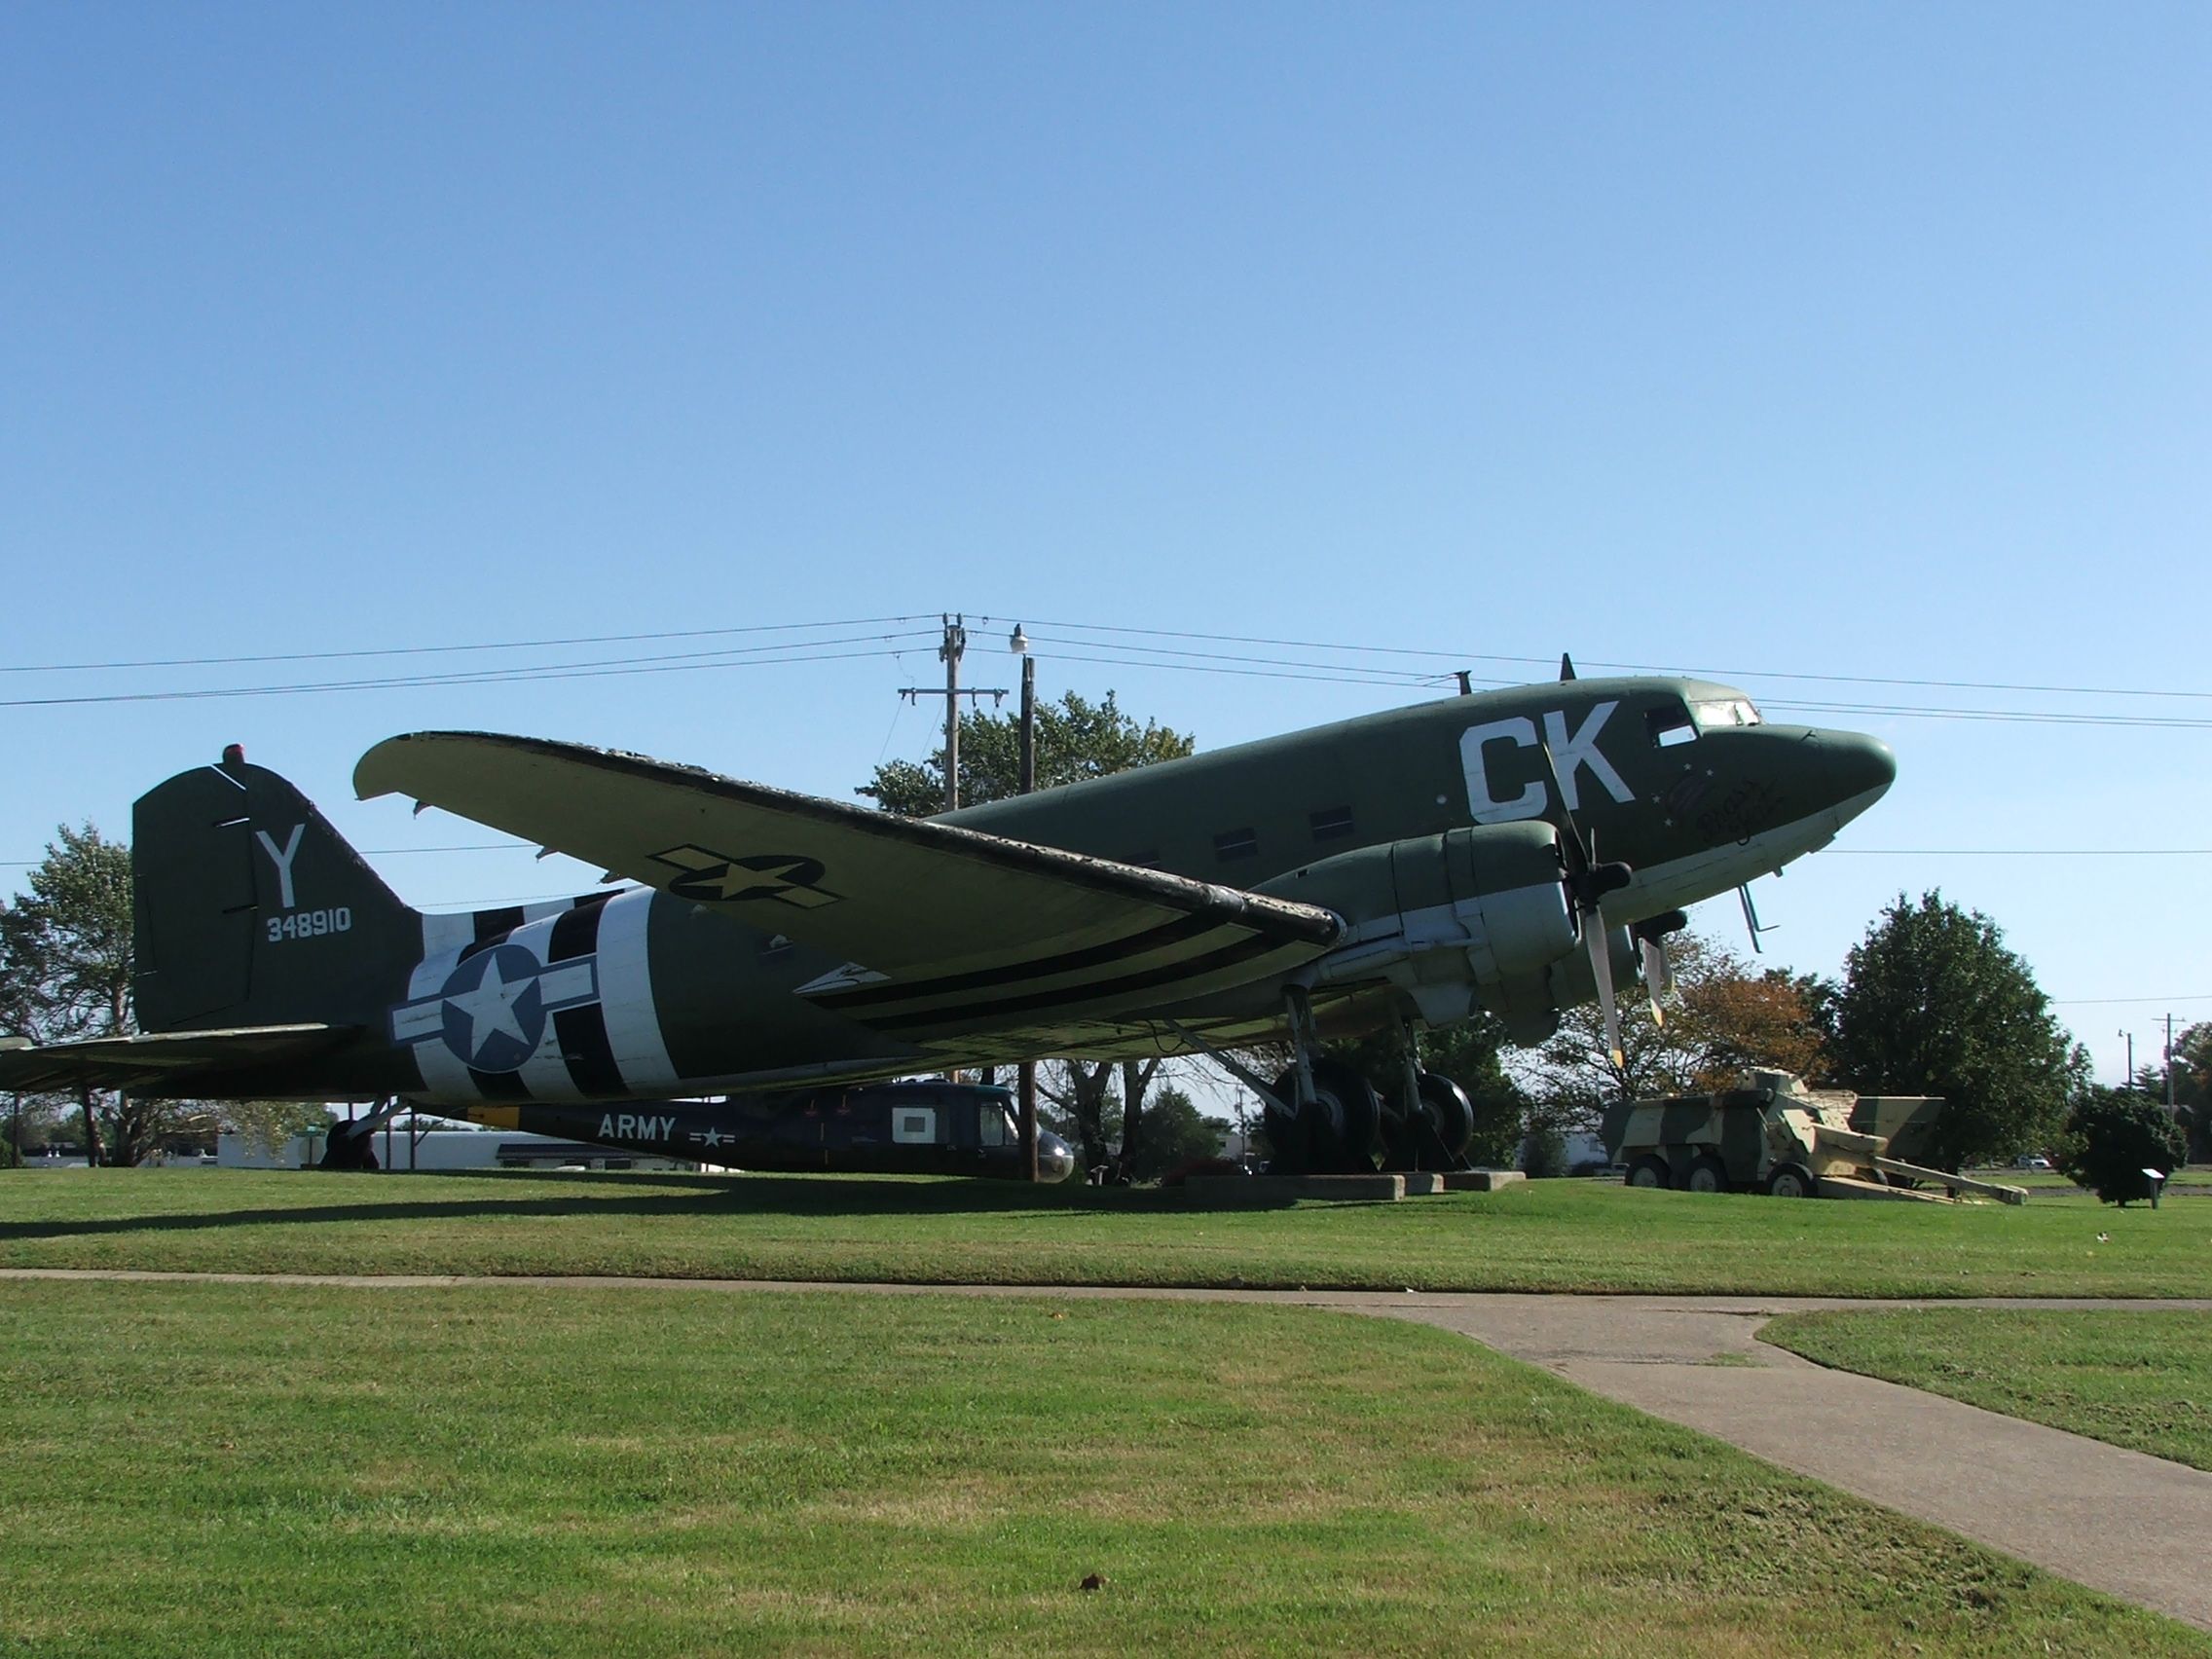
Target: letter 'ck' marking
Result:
[[1571, 753], [1482, 805], [282, 860]]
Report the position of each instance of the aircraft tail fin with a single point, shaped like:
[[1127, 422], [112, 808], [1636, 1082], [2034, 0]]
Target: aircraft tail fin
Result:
[[251, 909]]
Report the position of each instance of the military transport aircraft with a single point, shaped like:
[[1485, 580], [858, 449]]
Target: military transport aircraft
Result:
[[1518, 851]]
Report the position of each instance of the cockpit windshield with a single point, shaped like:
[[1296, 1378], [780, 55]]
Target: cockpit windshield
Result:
[[1714, 713]]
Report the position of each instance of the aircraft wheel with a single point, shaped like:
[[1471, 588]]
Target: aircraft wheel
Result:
[[1707, 1174], [1450, 1113], [1649, 1171], [1290, 1138], [1351, 1117], [1337, 1137], [1790, 1181]]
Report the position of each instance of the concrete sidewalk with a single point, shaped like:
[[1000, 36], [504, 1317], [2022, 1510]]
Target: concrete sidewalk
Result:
[[2133, 1526]]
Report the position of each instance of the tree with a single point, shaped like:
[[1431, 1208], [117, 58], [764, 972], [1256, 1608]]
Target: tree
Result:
[[1176, 1134], [1932, 1002], [1723, 1020], [2112, 1136], [2192, 1087], [1077, 739], [268, 1125], [65, 952]]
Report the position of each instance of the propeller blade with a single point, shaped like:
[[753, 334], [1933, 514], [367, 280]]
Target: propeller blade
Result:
[[1581, 855], [1602, 971], [1658, 975]]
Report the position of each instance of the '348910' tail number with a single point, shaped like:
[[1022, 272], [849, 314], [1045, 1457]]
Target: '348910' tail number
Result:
[[309, 924]]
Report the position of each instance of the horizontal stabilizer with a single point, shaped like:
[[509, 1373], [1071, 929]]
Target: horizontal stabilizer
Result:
[[170, 1063]]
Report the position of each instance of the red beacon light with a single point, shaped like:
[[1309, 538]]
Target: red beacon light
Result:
[[233, 754]]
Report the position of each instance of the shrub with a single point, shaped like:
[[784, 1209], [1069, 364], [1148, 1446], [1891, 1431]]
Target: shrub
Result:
[[2112, 1136]]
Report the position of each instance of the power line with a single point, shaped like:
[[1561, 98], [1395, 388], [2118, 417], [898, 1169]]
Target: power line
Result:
[[2021, 852], [1630, 667], [2108, 1002], [429, 651], [1350, 674], [677, 663]]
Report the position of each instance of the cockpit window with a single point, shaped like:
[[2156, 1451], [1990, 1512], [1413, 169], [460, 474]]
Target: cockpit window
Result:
[[993, 1125], [1670, 723], [1718, 712]]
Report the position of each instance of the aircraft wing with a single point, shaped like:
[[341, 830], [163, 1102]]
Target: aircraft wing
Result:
[[937, 925], [168, 1063]]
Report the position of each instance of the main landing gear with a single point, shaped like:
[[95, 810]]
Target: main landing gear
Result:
[[1323, 1117]]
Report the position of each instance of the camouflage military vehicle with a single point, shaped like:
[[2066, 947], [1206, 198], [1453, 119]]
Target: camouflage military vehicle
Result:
[[1778, 1136]]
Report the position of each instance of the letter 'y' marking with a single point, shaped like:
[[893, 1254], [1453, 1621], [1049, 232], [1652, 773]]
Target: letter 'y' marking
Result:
[[283, 860]]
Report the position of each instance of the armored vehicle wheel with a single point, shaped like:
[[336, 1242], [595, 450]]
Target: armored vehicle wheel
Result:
[[1707, 1174], [1790, 1181], [1649, 1171], [1450, 1113]]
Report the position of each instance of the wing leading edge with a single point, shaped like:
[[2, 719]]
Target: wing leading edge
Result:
[[943, 929]]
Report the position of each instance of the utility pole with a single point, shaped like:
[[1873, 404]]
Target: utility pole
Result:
[[2128, 1081], [955, 646], [1025, 1087], [2170, 1063]]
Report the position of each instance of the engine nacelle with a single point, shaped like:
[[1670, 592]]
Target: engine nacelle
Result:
[[1475, 916]]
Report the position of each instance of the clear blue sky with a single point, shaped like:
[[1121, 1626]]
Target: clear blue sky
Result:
[[1759, 341]]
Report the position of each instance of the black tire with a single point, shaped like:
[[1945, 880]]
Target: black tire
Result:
[[1650, 1171], [1350, 1118], [1450, 1113], [1706, 1174], [1290, 1139], [1790, 1181]]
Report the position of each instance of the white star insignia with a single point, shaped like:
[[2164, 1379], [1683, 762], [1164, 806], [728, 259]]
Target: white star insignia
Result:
[[490, 1007]]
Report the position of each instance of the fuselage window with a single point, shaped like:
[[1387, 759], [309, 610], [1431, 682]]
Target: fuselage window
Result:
[[1670, 723], [1331, 822], [992, 1126], [913, 1126], [1235, 844]]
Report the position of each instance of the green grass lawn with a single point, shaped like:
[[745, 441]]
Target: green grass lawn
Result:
[[2137, 1379], [1545, 1236], [219, 1469]]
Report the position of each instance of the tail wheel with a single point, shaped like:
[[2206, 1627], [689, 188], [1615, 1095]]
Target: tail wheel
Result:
[[1450, 1113], [1790, 1181], [1650, 1171], [1707, 1174]]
